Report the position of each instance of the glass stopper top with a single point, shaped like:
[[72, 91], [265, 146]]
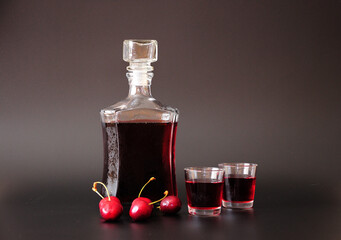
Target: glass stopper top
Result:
[[138, 51]]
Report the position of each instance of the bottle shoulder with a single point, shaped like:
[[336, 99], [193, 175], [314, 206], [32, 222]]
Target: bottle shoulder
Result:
[[146, 109]]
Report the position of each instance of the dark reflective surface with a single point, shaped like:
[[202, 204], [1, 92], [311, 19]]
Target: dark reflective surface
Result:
[[63, 212]]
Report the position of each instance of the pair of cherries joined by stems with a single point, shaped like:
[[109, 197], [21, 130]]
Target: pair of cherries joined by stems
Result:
[[141, 208]]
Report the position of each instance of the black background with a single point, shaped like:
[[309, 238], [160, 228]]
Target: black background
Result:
[[255, 81]]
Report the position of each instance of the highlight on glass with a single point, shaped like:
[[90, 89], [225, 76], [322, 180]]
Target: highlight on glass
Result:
[[204, 186], [240, 184]]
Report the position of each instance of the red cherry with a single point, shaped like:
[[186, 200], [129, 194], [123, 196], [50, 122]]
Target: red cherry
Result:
[[147, 200], [140, 209], [112, 198], [170, 205], [110, 209]]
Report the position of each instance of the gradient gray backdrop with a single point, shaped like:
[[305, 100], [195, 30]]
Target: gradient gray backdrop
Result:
[[255, 81]]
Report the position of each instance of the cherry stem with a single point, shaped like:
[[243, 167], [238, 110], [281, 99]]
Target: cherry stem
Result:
[[166, 193], [151, 179], [95, 189]]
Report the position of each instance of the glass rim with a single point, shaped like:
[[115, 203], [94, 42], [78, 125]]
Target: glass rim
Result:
[[239, 164], [204, 169]]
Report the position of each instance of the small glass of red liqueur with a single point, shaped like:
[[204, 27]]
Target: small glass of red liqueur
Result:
[[204, 186], [240, 184]]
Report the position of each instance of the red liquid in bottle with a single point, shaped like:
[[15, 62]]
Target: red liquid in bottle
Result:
[[135, 152], [204, 195]]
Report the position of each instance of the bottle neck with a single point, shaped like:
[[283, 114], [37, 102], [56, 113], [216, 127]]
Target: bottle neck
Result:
[[140, 79], [139, 90]]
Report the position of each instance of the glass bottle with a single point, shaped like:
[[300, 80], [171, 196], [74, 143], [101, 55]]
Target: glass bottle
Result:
[[139, 132]]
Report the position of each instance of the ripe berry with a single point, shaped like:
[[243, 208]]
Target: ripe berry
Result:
[[170, 205], [141, 208], [110, 207]]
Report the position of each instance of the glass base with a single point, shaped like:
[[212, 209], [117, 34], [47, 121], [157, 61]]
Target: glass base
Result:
[[208, 212], [228, 204]]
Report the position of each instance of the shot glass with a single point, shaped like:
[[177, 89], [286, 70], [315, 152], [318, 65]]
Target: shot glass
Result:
[[204, 186], [240, 184]]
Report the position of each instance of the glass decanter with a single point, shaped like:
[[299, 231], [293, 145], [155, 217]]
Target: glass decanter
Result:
[[139, 132]]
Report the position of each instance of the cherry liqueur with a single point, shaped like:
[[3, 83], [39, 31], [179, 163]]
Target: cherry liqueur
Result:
[[139, 132]]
